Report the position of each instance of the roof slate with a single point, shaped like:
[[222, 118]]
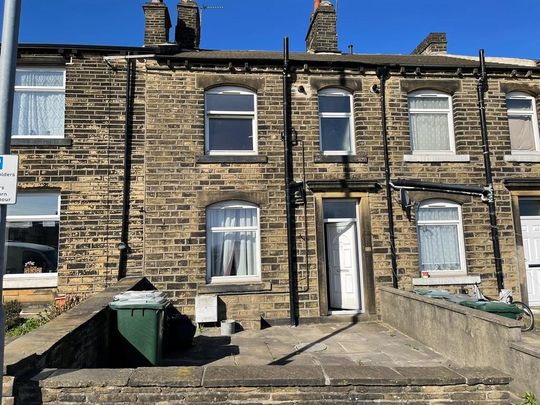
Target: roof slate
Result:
[[364, 59]]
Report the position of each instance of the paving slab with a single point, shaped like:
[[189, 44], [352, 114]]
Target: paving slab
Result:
[[367, 343]]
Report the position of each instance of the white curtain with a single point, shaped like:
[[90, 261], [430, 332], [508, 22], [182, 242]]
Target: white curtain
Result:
[[233, 252], [429, 130], [439, 244], [521, 133], [39, 112]]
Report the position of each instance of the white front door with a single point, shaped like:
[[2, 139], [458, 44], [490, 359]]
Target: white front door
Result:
[[530, 228], [342, 261]]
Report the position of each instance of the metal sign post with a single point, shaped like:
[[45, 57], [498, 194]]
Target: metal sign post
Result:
[[8, 59]]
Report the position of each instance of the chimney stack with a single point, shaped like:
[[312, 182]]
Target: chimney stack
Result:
[[434, 44], [157, 23], [322, 32], [188, 26]]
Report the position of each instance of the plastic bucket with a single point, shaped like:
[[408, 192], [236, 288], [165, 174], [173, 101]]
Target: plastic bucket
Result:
[[228, 327]]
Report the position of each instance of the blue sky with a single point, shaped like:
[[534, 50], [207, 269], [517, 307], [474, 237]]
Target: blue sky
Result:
[[503, 28]]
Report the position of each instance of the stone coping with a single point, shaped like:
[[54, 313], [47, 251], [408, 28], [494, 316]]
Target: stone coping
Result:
[[486, 316], [27, 348], [524, 347], [266, 376]]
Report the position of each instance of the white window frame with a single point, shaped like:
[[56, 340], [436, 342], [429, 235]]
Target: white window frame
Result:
[[212, 229], [230, 114], [344, 93], [439, 203], [517, 95], [34, 280], [37, 89], [448, 111]]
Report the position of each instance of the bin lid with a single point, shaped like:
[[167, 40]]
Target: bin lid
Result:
[[140, 299], [495, 307]]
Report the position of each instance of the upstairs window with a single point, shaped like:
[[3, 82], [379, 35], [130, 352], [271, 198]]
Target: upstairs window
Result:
[[523, 123], [32, 228], [231, 121], [431, 122], [336, 122], [39, 104], [440, 236], [232, 241]]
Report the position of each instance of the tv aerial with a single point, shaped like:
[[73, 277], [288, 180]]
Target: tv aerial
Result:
[[205, 7]]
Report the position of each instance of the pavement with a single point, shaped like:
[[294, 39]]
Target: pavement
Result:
[[339, 344]]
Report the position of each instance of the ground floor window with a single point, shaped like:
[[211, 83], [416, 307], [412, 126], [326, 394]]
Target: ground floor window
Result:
[[32, 231], [232, 241], [440, 236]]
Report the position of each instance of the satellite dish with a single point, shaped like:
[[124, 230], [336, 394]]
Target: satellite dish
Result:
[[405, 201]]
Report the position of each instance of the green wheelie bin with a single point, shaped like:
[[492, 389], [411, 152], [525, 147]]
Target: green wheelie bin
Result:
[[140, 320]]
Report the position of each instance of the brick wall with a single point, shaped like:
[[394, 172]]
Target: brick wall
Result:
[[171, 183], [88, 173], [157, 24], [271, 384], [322, 32], [176, 179]]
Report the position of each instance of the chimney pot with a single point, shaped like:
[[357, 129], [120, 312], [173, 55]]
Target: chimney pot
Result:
[[316, 4]]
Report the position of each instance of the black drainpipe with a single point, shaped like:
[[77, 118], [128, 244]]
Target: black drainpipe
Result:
[[481, 89], [383, 73], [289, 180], [123, 246]]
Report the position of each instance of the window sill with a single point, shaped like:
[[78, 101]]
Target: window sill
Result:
[[450, 157], [446, 280], [231, 159], [525, 157], [20, 281], [233, 288], [340, 159], [41, 142]]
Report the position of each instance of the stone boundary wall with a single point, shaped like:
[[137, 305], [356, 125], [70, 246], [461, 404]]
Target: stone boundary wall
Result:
[[78, 338], [267, 384], [469, 337]]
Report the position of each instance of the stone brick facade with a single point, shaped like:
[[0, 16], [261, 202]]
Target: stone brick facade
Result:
[[173, 181], [158, 23]]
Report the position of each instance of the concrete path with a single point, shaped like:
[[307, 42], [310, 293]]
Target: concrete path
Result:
[[365, 343]]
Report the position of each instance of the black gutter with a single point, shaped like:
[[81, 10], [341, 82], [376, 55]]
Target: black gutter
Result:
[[104, 48], [123, 246], [481, 89], [446, 188], [289, 180], [383, 74]]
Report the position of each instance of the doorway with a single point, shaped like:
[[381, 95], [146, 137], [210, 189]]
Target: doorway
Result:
[[342, 255], [529, 209]]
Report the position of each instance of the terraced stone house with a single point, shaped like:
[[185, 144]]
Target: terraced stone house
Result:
[[167, 160]]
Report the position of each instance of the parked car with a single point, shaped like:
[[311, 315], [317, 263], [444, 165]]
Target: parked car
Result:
[[23, 257]]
